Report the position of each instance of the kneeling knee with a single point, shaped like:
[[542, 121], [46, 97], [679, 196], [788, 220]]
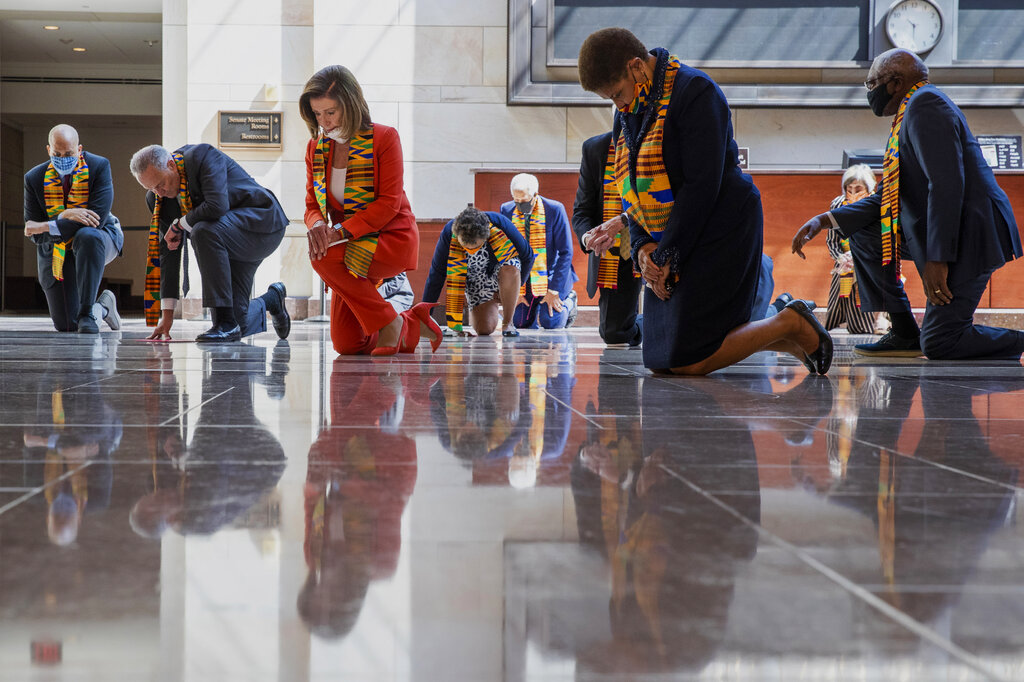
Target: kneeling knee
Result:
[[937, 348], [485, 328], [697, 369]]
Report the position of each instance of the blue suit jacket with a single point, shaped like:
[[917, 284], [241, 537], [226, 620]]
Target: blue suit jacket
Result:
[[101, 198], [561, 275], [216, 185], [951, 209], [439, 263]]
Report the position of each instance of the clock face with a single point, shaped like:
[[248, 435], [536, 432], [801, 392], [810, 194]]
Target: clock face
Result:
[[914, 24]]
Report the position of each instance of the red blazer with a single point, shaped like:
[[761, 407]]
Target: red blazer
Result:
[[389, 213]]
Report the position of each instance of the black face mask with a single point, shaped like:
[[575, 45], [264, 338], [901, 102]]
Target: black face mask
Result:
[[525, 207], [878, 99]]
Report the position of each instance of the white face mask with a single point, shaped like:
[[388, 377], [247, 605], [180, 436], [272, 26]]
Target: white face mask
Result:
[[336, 135]]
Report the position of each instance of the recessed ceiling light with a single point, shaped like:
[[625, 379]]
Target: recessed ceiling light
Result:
[[78, 49], [51, 28]]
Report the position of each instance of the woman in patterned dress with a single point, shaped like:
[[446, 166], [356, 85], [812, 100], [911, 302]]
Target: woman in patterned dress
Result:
[[843, 293]]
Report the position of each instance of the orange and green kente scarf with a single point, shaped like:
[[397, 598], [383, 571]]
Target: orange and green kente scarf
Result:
[[608, 266], [647, 197], [536, 234], [891, 185], [151, 296], [53, 195], [458, 265], [359, 193]]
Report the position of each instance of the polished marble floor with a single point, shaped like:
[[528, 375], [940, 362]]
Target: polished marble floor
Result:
[[536, 508]]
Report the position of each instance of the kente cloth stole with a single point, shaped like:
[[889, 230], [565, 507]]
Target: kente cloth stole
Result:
[[53, 195], [891, 185], [846, 281], [359, 193], [151, 296], [458, 265], [537, 235], [608, 265], [648, 198], [538, 407]]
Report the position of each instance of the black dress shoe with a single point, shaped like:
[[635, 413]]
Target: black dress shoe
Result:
[[821, 358], [782, 301], [217, 334], [279, 313], [87, 325]]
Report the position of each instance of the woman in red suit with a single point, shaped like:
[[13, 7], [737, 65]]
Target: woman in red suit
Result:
[[361, 227]]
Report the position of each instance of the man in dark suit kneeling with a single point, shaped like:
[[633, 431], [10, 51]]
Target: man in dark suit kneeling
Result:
[[939, 203], [233, 224], [67, 215]]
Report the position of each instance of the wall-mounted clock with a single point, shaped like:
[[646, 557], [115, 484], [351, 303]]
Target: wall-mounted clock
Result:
[[914, 24]]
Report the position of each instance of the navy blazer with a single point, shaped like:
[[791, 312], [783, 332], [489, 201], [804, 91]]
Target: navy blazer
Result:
[[561, 275], [101, 198], [951, 209], [439, 263], [588, 209], [216, 185], [701, 160]]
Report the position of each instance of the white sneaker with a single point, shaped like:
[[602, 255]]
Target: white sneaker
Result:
[[107, 300]]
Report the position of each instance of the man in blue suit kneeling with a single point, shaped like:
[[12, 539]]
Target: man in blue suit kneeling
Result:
[[546, 299], [939, 203]]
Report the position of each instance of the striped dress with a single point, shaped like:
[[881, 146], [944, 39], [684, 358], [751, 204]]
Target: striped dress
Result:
[[844, 309]]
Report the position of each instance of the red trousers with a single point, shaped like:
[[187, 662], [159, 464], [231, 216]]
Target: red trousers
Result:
[[358, 311]]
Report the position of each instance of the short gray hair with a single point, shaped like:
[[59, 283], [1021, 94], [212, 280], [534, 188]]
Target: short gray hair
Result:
[[861, 172], [147, 157], [524, 182], [472, 224]]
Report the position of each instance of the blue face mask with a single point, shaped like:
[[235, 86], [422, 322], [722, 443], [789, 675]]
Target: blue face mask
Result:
[[64, 164]]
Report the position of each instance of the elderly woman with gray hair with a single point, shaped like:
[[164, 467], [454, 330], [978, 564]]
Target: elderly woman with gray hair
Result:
[[843, 295], [484, 260]]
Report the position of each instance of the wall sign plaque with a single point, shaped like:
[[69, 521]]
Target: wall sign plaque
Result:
[[249, 129]]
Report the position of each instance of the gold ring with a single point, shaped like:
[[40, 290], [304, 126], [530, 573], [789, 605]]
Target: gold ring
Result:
[[938, 291]]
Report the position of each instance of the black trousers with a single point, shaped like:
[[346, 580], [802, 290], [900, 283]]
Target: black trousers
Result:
[[73, 297], [228, 252], [618, 308], [948, 331]]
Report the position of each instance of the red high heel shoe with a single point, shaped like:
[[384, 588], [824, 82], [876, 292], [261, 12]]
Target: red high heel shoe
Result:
[[420, 313], [393, 350]]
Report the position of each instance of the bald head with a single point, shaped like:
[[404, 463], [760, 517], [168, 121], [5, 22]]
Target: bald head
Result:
[[62, 132], [898, 69], [900, 62], [63, 141]]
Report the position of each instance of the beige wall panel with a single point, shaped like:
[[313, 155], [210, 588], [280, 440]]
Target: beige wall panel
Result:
[[806, 138], [259, 12], [495, 56], [470, 93], [384, 112], [355, 12], [235, 54], [582, 124], [454, 12], [401, 93], [478, 133], [438, 190], [403, 55], [296, 55]]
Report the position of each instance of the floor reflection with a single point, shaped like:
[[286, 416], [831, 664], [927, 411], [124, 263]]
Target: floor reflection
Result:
[[361, 472], [519, 509], [208, 470]]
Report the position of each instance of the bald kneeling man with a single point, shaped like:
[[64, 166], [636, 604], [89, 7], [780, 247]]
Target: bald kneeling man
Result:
[[67, 216]]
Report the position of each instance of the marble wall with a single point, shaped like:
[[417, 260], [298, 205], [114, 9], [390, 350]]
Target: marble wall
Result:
[[436, 70]]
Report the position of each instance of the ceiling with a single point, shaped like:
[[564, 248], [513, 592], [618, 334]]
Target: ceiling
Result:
[[109, 37]]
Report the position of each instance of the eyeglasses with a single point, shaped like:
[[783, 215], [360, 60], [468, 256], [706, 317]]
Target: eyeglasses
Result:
[[872, 84]]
